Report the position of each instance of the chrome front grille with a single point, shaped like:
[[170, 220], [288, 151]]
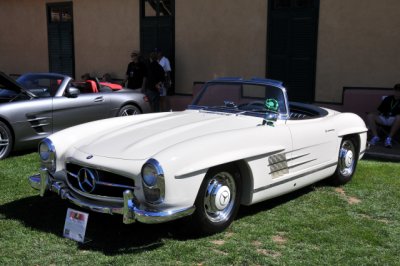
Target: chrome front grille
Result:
[[97, 182]]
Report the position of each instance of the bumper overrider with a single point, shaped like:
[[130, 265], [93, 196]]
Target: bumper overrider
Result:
[[44, 182]]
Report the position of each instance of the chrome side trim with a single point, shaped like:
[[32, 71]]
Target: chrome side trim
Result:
[[298, 157], [38, 118], [292, 178], [130, 210], [301, 163], [40, 125]]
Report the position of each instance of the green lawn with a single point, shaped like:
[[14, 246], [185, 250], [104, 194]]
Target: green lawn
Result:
[[357, 224]]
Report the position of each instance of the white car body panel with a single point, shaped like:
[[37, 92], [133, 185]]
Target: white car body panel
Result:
[[273, 159]]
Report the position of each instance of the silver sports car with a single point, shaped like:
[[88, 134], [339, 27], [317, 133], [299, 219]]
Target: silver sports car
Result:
[[37, 105]]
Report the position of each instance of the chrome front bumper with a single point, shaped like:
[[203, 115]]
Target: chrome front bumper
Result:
[[131, 213]]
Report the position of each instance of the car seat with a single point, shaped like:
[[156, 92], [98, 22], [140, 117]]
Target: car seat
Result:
[[90, 87]]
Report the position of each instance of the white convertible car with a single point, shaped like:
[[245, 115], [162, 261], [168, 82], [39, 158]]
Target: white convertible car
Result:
[[240, 142]]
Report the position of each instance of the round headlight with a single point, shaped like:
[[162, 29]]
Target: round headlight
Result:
[[149, 174], [153, 182], [44, 151]]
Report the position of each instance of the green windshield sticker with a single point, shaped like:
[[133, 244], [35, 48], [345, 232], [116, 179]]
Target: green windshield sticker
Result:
[[271, 104]]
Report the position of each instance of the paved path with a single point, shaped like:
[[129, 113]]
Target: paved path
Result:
[[379, 152]]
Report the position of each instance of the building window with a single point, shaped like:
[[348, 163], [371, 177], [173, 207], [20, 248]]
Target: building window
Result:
[[60, 14], [286, 4], [157, 8]]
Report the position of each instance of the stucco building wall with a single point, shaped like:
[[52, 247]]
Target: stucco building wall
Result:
[[105, 34], [358, 45], [223, 38], [23, 36], [358, 40]]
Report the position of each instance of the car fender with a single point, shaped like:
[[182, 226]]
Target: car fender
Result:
[[349, 123], [186, 164], [65, 140]]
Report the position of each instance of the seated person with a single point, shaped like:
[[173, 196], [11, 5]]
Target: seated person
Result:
[[107, 78], [389, 115], [85, 77]]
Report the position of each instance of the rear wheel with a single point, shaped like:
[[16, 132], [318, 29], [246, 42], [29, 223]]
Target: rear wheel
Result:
[[129, 110], [347, 162], [218, 200], [6, 140]]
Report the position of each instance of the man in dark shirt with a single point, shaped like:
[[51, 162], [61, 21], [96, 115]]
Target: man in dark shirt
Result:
[[156, 76], [389, 115], [136, 72]]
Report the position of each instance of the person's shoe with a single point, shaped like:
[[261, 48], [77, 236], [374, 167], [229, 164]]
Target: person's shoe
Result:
[[374, 140], [388, 142]]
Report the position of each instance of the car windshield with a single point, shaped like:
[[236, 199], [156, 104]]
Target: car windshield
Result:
[[244, 98], [7, 94], [42, 86]]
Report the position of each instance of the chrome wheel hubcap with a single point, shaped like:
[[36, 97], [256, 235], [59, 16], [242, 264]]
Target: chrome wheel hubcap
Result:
[[4, 141], [219, 198], [127, 112], [347, 158]]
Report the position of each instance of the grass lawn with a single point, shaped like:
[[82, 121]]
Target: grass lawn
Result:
[[357, 224]]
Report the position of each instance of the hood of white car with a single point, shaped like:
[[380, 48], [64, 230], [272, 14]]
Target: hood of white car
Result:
[[143, 138]]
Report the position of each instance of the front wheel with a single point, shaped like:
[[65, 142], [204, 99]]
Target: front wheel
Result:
[[6, 141], [347, 162], [129, 110], [218, 200]]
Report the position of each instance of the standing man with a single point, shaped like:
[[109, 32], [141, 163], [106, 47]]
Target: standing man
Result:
[[164, 62], [156, 78], [136, 73]]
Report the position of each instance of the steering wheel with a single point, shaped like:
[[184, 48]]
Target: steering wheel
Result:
[[251, 106]]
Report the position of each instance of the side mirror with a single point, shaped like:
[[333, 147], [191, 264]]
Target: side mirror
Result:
[[270, 118], [72, 92]]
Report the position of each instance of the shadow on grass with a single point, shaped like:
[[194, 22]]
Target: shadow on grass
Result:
[[22, 153], [107, 233], [272, 203]]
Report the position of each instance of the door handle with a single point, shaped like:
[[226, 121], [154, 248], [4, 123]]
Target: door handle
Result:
[[99, 99]]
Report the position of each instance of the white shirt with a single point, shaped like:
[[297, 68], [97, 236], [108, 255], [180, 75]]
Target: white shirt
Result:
[[164, 62]]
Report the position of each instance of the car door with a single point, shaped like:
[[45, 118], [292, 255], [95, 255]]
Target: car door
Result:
[[307, 147], [272, 167], [31, 120], [314, 143], [68, 111]]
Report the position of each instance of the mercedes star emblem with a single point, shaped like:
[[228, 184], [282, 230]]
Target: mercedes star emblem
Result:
[[87, 180]]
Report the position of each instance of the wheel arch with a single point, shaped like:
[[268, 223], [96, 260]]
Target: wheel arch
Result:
[[357, 141], [130, 103], [247, 179]]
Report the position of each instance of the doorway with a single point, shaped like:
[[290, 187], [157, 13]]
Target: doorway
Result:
[[292, 46], [61, 38], [157, 25]]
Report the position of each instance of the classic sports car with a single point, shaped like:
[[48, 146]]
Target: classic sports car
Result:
[[38, 105], [240, 142]]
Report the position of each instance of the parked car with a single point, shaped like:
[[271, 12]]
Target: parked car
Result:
[[37, 105], [239, 143]]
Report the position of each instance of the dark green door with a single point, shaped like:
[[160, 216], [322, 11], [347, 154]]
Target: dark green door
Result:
[[61, 38], [157, 28], [292, 46]]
